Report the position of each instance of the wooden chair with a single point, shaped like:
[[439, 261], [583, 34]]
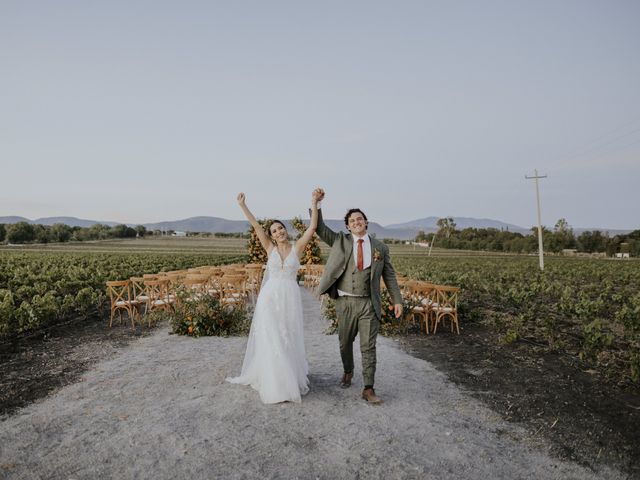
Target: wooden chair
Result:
[[445, 304], [423, 295], [139, 294], [254, 278], [158, 291], [234, 290], [214, 285], [174, 280], [312, 276], [120, 296], [419, 296], [196, 286]]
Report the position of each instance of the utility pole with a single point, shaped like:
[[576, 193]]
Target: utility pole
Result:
[[540, 253]]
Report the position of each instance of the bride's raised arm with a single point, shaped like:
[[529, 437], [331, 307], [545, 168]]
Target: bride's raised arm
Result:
[[313, 225], [262, 236]]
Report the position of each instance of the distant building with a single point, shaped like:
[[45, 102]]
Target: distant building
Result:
[[179, 234]]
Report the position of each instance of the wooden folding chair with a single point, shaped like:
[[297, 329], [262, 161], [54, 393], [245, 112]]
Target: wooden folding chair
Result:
[[120, 296]]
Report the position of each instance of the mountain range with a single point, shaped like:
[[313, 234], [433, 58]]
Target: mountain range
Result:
[[401, 231]]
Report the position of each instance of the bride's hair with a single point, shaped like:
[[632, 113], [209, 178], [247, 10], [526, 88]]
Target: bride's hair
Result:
[[271, 223]]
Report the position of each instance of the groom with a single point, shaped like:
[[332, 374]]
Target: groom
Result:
[[352, 277]]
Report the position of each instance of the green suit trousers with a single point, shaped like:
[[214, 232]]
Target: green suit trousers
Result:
[[356, 316]]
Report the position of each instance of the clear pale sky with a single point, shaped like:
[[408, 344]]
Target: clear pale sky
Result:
[[141, 111]]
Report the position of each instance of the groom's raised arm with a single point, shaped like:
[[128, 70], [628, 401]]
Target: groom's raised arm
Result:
[[327, 235]]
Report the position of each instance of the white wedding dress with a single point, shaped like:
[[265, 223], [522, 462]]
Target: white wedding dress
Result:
[[275, 362]]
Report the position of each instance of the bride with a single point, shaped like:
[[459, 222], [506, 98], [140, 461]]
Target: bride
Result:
[[275, 362]]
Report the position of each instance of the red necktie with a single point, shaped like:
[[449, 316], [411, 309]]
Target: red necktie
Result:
[[360, 264]]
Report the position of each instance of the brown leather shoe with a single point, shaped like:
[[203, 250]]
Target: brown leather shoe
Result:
[[346, 380], [369, 395]]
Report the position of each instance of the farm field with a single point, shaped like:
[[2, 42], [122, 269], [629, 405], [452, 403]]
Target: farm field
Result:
[[558, 351], [41, 285], [587, 307]]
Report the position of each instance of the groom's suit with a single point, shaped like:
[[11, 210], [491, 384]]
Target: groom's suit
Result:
[[360, 313]]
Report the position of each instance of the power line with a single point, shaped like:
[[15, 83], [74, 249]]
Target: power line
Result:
[[597, 143]]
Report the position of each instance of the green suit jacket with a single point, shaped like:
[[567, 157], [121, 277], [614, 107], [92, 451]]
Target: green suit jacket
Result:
[[340, 257]]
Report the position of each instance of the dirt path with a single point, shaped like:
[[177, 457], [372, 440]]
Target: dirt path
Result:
[[161, 409]]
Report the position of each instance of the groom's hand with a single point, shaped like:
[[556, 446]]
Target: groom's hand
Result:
[[398, 310], [318, 194]]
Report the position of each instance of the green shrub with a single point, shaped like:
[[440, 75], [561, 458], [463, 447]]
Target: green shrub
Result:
[[206, 316]]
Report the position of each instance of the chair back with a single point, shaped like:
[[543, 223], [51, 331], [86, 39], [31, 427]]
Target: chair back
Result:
[[234, 289], [119, 291]]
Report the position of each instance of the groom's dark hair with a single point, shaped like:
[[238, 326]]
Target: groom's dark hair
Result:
[[352, 211]]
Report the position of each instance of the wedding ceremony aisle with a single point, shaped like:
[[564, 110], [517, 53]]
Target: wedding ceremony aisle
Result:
[[160, 408]]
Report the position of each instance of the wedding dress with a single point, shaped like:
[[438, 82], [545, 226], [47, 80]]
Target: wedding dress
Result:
[[275, 362]]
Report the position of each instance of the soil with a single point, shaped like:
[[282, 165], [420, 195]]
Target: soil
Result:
[[35, 365], [584, 417]]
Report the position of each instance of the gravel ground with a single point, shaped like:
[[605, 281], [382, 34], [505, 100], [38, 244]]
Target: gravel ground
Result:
[[160, 408]]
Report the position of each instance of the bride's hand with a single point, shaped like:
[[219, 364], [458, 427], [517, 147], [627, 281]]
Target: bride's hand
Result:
[[241, 198]]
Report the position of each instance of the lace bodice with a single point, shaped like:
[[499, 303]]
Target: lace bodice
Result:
[[284, 269]]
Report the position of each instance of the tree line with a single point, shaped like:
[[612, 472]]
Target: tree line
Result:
[[24, 232], [561, 237]]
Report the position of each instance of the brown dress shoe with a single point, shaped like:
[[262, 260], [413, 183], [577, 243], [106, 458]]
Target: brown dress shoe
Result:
[[369, 395], [346, 380]]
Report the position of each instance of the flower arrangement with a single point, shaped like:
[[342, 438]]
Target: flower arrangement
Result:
[[257, 254], [206, 316], [311, 253], [329, 313], [377, 256]]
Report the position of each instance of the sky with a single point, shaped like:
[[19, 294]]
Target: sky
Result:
[[144, 111]]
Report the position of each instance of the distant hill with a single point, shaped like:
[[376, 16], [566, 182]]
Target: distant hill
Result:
[[8, 220], [71, 221], [400, 231], [375, 229], [201, 224], [429, 224], [221, 225]]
